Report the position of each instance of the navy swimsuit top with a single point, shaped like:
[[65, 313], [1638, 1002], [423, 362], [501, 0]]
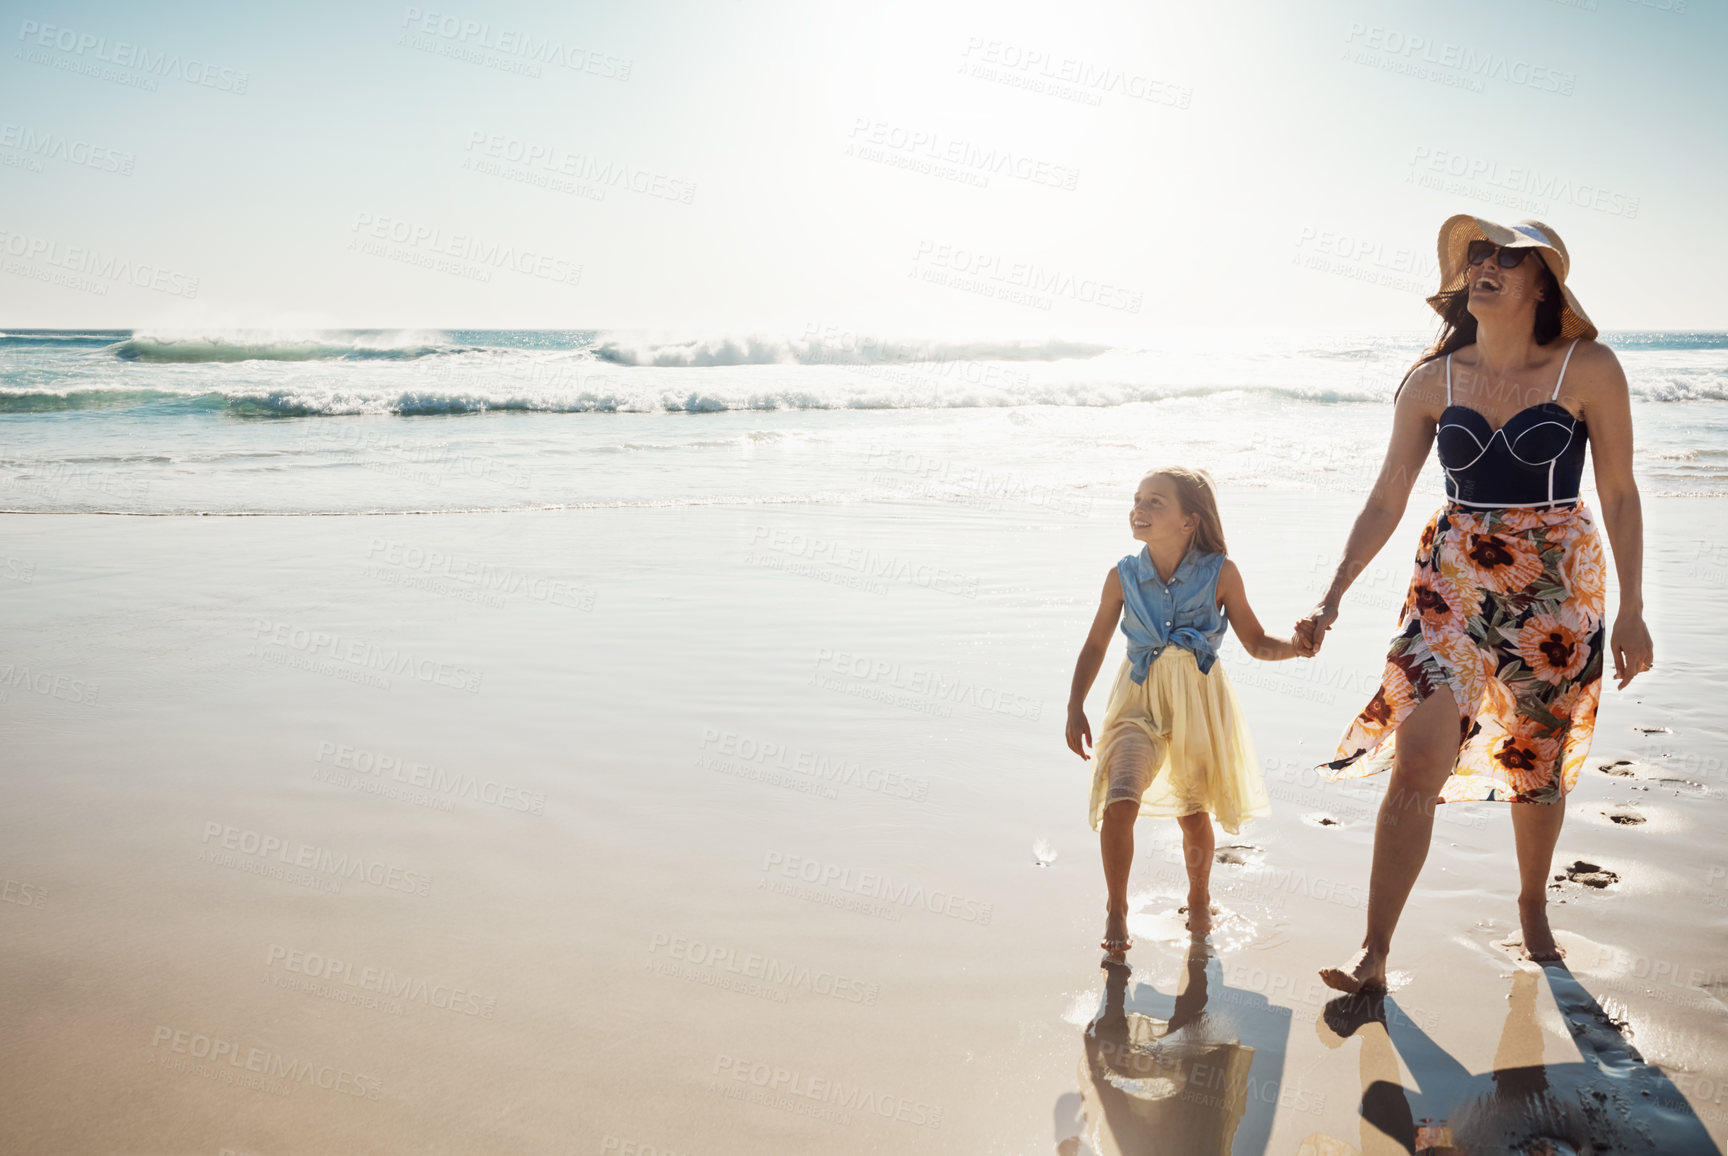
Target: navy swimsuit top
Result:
[[1535, 459]]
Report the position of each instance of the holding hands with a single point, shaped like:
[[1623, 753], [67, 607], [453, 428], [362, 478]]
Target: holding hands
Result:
[[1311, 630]]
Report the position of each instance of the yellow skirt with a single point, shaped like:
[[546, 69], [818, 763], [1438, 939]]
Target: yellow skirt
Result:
[[1178, 744]]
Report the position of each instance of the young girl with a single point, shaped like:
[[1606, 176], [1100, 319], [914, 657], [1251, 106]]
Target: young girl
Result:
[[1174, 741]]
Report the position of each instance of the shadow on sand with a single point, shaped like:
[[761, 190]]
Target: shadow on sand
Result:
[[1610, 1101]]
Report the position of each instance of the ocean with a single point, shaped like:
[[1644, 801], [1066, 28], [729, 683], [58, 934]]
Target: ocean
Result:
[[445, 421]]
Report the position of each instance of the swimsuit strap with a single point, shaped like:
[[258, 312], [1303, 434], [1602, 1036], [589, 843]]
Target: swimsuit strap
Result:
[[1563, 364], [1448, 379]]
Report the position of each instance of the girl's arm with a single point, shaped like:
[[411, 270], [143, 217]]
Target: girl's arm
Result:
[[1607, 412], [1091, 658], [1233, 596], [1413, 421]]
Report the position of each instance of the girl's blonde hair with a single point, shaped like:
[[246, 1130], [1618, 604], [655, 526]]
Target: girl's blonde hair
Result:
[[1195, 494]]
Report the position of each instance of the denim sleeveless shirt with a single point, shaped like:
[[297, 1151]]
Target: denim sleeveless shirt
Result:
[[1182, 612]]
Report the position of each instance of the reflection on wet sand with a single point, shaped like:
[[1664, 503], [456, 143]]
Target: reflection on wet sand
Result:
[[1179, 1084], [1611, 1102]]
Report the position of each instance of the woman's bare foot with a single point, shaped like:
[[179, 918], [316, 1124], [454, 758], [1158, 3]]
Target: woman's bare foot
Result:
[[1116, 940], [1202, 923], [1366, 971], [1539, 945]]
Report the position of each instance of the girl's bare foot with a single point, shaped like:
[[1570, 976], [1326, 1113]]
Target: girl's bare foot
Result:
[[1365, 971], [1116, 940], [1202, 923], [1539, 945]]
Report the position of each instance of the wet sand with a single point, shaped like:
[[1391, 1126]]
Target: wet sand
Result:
[[668, 831]]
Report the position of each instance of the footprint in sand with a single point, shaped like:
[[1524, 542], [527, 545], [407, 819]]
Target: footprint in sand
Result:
[[1624, 816], [1644, 773], [1585, 874], [1236, 854], [1321, 819]]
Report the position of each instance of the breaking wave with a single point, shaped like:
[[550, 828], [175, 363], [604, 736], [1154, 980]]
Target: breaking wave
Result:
[[271, 346], [833, 349], [349, 402]]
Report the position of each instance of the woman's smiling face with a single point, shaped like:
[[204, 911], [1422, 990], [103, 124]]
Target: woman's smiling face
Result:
[[1498, 291], [1157, 518]]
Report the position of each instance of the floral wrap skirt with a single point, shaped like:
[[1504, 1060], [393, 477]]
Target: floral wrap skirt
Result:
[[1505, 610]]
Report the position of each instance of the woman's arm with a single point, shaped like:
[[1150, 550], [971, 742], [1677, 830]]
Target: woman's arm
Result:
[[1413, 421], [1091, 658], [1233, 596], [1607, 413]]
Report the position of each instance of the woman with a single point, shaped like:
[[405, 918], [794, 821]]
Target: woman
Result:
[[1491, 684]]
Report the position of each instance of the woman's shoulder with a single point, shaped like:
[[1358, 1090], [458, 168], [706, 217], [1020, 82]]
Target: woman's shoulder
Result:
[[1424, 387], [1594, 376], [1589, 354]]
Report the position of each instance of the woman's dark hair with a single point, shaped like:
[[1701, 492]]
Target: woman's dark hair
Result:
[[1458, 324]]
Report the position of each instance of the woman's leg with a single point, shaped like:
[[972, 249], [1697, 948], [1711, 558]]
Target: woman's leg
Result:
[[1116, 839], [1427, 748], [1535, 830], [1197, 848]]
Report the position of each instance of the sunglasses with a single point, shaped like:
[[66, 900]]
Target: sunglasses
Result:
[[1480, 251]]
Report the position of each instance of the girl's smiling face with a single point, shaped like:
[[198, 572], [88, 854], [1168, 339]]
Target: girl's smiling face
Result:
[[1157, 518]]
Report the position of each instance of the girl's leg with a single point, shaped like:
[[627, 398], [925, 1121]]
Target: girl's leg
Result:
[[1535, 830], [1116, 839], [1198, 845], [1427, 747], [1129, 757]]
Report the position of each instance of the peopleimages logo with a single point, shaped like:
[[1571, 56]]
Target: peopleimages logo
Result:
[[720, 960], [770, 755], [481, 574], [513, 42], [310, 857], [60, 686], [860, 566], [919, 683], [872, 884], [1035, 279], [127, 55], [581, 167], [379, 981], [264, 1062], [487, 254], [1415, 50], [103, 267], [1441, 168], [432, 779], [362, 655], [43, 145], [774, 1079], [1067, 74], [877, 140]]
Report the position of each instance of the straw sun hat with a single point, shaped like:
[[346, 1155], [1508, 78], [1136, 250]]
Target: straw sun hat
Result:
[[1456, 235]]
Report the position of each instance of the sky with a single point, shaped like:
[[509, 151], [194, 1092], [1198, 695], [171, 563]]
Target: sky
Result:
[[890, 166]]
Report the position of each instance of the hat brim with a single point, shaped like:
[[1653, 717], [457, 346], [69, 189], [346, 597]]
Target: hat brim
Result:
[[1454, 244]]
